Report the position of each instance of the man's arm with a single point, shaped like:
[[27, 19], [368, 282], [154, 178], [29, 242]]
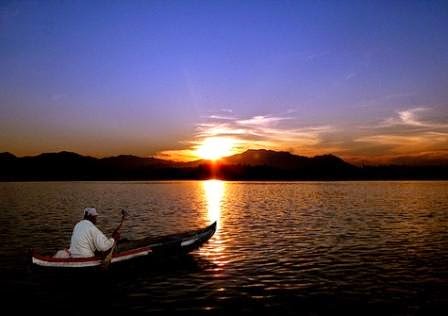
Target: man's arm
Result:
[[101, 242]]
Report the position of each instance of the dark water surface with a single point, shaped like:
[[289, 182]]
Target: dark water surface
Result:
[[292, 248]]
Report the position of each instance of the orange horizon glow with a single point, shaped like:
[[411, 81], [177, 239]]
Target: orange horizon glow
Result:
[[215, 85], [418, 155], [214, 148]]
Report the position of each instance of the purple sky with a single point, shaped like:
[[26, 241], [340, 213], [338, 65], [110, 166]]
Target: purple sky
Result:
[[365, 80]]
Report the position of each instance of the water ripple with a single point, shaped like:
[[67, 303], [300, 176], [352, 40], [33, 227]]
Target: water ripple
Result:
[[278, 247]]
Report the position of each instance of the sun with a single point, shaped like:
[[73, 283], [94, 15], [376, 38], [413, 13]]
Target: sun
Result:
[[214, 148]]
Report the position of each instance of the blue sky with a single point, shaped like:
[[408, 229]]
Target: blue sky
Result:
[[365, 80]]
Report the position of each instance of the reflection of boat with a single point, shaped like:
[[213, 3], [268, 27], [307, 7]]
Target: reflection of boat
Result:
[[129, 249]]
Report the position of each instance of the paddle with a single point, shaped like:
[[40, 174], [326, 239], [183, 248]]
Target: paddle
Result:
[[108, 258]]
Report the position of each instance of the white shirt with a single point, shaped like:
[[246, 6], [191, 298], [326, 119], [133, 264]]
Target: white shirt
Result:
[[87, 238]]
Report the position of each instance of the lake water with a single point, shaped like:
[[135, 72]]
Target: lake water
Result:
[[292, 248]]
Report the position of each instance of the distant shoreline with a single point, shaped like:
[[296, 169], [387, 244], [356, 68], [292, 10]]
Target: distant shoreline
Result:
[[252, 165], [227, 180]]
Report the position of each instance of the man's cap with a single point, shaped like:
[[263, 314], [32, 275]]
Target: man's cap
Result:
[[90, 211]]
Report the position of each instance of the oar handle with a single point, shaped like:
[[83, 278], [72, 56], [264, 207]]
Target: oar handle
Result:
[[108, 258], [124, 214]]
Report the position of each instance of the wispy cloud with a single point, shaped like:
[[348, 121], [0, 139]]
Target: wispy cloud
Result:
[[261, 131], [409, 131], [412, 118], [223, 114], [220, 117], [350, 75], [409, 117], [408, 143], [261, 121]]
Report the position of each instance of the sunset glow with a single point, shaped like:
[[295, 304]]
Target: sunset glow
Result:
[[363, 81], [215, 148]]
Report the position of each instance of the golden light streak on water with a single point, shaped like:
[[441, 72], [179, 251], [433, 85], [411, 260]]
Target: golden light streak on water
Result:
[[214, 192]]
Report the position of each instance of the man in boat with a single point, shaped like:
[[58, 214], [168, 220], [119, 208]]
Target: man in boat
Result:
[[87, 240]]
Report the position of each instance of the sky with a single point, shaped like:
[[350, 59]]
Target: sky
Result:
[[364, 80]]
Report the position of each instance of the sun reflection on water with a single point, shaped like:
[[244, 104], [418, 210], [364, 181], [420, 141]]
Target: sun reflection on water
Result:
[[214, 192]]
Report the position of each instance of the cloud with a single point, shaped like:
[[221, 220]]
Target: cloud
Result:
[[179, 155], [220, 117], [408, 132], [261, 120], [405, 143], [261, 131], [350, 75], [412, 118], [406, 117], [409, 117]]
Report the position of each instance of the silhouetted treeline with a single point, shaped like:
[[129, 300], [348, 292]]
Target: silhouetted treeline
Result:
[[251, 165]]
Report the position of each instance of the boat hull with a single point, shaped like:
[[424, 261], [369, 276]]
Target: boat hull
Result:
[[127, 250]]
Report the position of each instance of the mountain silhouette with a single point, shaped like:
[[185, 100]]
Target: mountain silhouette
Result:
[[250, 165], [282, 160]]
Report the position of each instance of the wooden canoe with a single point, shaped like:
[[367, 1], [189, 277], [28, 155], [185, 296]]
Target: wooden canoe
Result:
[[130, 249]]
